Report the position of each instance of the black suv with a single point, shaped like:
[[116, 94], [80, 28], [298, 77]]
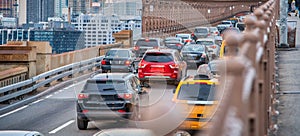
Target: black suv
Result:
[[117, 59], [109, 96]]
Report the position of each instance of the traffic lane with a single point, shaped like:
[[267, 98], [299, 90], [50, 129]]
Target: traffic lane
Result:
[[46, 114]]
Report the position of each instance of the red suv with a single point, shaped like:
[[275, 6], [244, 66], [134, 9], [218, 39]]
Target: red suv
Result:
[[166, 64]]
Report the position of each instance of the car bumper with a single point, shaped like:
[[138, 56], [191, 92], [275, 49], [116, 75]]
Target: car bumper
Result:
[[195, 124], [158, 76], [103, 115], [195, 62], [118, 68]]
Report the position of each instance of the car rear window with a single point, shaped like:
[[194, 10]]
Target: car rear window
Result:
[[205, 42], [104, 85], [197, 92], [201, 30], [117, 53], [183, 36], [193, 48], [227, 22], [158, 57], [147, 43]]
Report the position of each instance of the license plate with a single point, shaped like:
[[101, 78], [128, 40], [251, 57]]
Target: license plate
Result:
[[157, 69]]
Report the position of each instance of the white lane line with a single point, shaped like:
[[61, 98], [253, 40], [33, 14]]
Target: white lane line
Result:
[[98, 133], [11, 112], [61, 127], [48, 96], [37, 101]]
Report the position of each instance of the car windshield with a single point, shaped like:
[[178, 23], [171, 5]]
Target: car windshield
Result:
[[104, 85], [147, 43], [197, 92], [205, 43], [201, 30], [117, 53], [193, 48], [158, 57]]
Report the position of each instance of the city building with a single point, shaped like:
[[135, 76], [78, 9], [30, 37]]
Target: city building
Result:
[[39, 10], [7, 7], [79, 6], [123, 7], [134, 24], [98, 28], [60, 7], [62, 36]]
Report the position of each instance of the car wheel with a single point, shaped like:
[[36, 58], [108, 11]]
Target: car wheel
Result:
[[82, 124]]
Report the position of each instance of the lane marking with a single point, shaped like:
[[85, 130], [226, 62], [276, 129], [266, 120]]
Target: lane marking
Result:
[[98, 133], [61, 127], [48, 96], [37, 101], [11, 112]]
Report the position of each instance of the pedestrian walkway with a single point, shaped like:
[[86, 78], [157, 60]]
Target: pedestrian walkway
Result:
[[289, 88]]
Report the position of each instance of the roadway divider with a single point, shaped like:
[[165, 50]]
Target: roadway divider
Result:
[[45, 79]]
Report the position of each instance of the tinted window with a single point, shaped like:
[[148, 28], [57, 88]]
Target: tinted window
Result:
[[158, 57], [205, 42], [226, 22], [147, 43], [183, 36], [117, 53], [193, 48], [105, 85], [201, 31], [197, 92]]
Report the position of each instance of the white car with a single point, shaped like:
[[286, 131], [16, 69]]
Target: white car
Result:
[[187, 38], [211, 45]]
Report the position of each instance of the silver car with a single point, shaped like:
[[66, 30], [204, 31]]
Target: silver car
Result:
[[211, 45]]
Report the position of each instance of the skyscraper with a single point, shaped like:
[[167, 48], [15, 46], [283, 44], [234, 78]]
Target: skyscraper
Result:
[[60, 5], [39, 10], [79, 6], [6, 7]]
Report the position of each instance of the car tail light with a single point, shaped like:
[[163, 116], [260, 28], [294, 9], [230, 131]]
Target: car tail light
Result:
[[127, 62], [216, 32], [178, 44], [192, 34], [203, 55], [136, 48], [121, 111], [142, 65], [125, 96], [82, 96], [103, 62], [187, 40], [85, 111], [208, 34], [174, 66], [155, 47], [214, 46]]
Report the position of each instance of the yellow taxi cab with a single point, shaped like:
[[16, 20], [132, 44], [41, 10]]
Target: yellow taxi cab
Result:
[[222, 49], [197, 93]]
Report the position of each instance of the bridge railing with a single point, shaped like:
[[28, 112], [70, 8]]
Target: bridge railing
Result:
[[247, 86], [45, 79]]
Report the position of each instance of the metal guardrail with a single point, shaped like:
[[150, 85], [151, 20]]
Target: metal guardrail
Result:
[[247, 106], [44, 79]]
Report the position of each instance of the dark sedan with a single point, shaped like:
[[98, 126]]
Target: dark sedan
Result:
[[195, 55], [119, 60]]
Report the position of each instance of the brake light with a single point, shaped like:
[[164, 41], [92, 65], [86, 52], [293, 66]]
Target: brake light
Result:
[[136, 48], [192, 34], [103, 62], [216, 32], [141, 65], [82, 96], [174, 66], [187, 40], [85, 111], [121, 111], [201, 83], [214, 46], [147, 40], [208, 34], [125, 96], [203, 55], [178, 44], [127, 62]]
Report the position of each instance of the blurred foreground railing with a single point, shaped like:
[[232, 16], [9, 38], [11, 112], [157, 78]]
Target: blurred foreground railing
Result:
[[248, 82]]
